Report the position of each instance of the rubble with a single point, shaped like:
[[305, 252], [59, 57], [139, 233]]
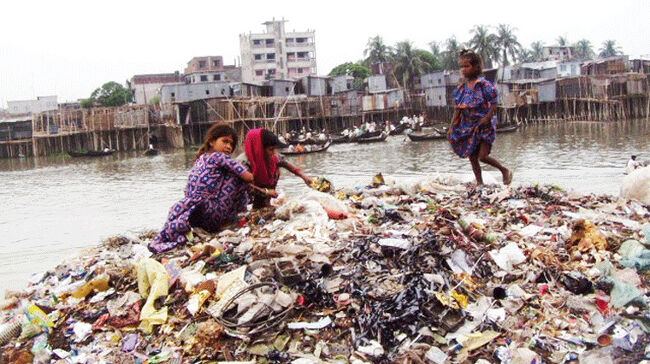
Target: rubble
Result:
[[432, 271]]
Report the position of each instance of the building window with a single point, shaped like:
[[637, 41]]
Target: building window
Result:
[[286, 89], [201, 64], [257, 41], [271, 71], [207, 92], [173, 94], [269, 42], [258, 57], [290, 40], [204, 78], [216, 63], [439, 81], [299, 70], [270, 56], [216, 77], [301, 40], [259, 73]]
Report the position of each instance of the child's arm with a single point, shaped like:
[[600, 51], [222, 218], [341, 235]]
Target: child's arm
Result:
[[295, 170]]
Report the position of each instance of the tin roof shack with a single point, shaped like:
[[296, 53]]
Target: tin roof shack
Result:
[[341, 84], [640, 66], [194, 91], [313, 86], [637, 84], [283, 88], [441, 78], [439, 87], [16, 128], [387, 99], [245, 89], [535, 70], [146, 87], [376, 83], [574, 88], [523, 92], [346, 103], [605, 66]]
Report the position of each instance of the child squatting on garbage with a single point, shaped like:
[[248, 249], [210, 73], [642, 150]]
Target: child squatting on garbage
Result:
[[217, 190], [265, 164], [473, 126]]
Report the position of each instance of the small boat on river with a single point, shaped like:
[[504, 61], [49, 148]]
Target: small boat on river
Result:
[[372, 139], [507, 128], [418, 137], [399, 129], [308, 151], [91, 153]]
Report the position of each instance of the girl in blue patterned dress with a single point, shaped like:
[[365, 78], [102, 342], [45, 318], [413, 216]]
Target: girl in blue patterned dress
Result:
[[217, 189], [473, 127]]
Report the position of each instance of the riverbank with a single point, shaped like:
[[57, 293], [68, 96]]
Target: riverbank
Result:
[[430, 269]]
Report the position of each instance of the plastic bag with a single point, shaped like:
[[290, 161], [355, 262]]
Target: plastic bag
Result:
[[153, 282]]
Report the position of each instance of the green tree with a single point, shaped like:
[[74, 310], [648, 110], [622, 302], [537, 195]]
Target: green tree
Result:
[[432, 62], [537, 51], [376, 51], [155, 100], [357, 70], [484, 43], [562, 41], [583, 49], [609, 49], [86, 103], [525, 55], [507, 41], [409, 63], [111, 94], [451, 53]]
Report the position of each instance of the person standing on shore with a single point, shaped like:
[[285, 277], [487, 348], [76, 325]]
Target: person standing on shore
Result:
[[217, 190], [473, 126], [265, 164]]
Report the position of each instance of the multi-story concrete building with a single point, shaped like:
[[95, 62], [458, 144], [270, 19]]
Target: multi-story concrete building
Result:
[[558, 53], [277, 54], [146, 87], [24, 107], [211, 69]]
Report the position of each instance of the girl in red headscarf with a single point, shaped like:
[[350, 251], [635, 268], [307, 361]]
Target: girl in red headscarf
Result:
[[265, 165]]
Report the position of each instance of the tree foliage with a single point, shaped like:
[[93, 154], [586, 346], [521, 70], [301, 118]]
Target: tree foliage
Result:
[[583, 49], [485, 44], [410, 62], [111, 94], [537, 51], [451, 53], [507, 41], [357, 70], [86, 103], [376, 50], [609, 49]]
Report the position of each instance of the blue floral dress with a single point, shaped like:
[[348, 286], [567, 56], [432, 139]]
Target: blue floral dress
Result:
[[474, 104], [214, 195]]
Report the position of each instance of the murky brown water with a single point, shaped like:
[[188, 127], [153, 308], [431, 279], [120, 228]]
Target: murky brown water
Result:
[[53, 207]]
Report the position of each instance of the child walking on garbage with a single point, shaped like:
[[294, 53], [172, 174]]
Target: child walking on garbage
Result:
[[216, 191], [473, 126], [265, 164]]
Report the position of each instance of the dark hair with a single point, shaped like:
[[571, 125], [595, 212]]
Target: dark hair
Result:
[[474, 59], [270, 140], [215, 132]]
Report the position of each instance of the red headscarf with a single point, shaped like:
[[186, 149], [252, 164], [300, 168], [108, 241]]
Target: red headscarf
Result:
[[263, 170]]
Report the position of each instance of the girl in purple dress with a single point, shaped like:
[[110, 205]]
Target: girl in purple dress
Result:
[[217, 189], [473, 127]]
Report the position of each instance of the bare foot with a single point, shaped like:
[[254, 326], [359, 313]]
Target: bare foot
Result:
[[507, 177]]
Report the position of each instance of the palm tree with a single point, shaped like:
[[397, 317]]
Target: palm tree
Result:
[[524, 55], [435, 49], [609, 49], [408, 63], [562, 41], [376, 50], [484, 44], [507, 41], [537, 51], [584, 49], [451, 53]]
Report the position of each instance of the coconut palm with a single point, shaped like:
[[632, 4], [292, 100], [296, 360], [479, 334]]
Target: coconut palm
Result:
[[583, 49], [562, 41], [507, 41], [609, 49], [524, 55], [409, 63], [451, 53], [376, 50], [485, 44], [537, 51]]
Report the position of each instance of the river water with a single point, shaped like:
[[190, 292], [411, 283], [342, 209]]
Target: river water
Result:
[[54, 207]]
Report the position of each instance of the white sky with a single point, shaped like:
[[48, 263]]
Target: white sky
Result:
[[68, 48]]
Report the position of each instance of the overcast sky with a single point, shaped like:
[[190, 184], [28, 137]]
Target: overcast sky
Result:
[[68, 48]]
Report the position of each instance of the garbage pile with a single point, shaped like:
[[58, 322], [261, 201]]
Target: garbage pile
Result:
[[431, 272]]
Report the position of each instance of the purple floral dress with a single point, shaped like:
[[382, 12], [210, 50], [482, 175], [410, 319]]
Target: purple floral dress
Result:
[[214, 195], [474, 104]]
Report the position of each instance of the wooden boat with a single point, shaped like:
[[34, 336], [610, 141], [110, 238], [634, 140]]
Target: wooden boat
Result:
[[417, 137], [91, 153], [399, 129], [372, 139], [314, 150], [309, 141], [337, 139], [507, 128]]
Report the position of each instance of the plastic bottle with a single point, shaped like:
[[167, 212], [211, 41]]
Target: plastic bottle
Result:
[[100, 283], [9, 330]]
